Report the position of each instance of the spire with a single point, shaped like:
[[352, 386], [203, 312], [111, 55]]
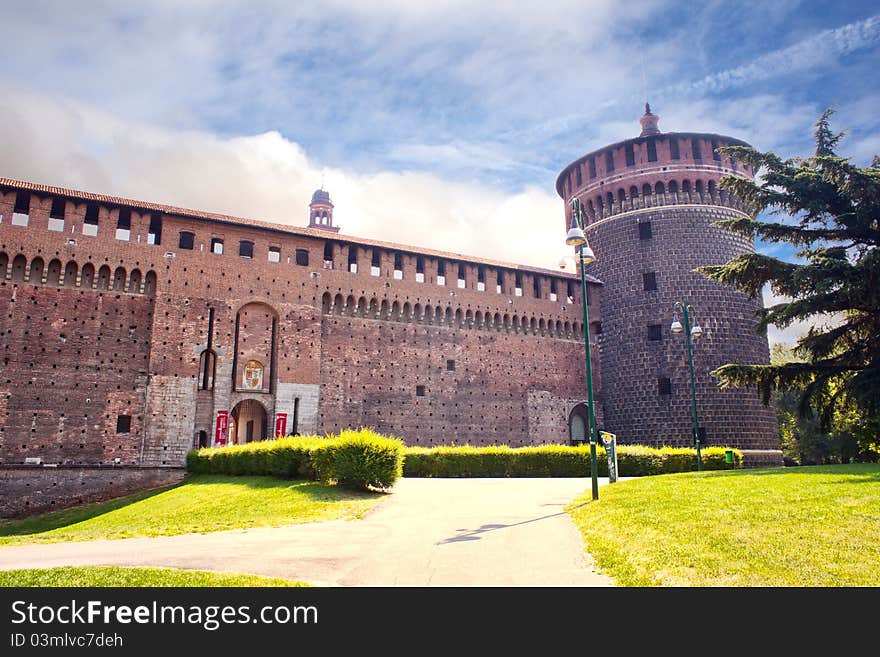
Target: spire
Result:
[[649, 122]]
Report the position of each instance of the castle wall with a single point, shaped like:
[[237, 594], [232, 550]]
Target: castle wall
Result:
[[174, 305]]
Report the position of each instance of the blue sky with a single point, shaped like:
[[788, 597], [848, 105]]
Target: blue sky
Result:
[[436, 123]]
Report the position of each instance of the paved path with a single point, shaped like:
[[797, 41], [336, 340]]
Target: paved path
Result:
[[429, 532]]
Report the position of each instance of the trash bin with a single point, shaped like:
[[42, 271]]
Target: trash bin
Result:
[[728, 456]]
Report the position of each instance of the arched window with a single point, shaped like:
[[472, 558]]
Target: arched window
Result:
[[19, 263], [87, 279], [326, 300], [35, 276], [395, 311], [70, 271], [458, 317], [362, 307], [150, 283], [659, 188], [417, 312], [119, 280], [349, 306], [449, 316], [207, 369], [53, 275], [134, 283], [407, 312], [338, 304]]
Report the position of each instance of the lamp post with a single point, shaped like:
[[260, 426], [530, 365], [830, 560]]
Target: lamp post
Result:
[[690, 332], [577, 238]]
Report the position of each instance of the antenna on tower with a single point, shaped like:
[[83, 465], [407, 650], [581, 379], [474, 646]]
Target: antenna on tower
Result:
[[322, 178], [644, 76]]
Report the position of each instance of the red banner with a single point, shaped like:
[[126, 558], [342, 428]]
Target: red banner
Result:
[[221, 427], [280, 425]]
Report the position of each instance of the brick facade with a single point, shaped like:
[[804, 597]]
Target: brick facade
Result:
[[127, 327]]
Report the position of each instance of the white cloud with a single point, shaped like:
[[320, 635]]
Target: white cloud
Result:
[[269, 177]]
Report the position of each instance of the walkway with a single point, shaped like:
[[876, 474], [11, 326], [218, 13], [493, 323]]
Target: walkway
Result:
[[429, 532]]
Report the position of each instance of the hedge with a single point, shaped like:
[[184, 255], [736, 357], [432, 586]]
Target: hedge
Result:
[[359, 459], [284, 457], [558, 461]]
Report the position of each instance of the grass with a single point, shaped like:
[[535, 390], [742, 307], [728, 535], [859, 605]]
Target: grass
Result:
[[202, 503], [805, 526], [117, 576]]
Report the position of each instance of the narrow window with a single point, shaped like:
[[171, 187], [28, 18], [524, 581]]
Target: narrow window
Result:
[[592, 165], [441, 272], [328, 255], [294, 429], [630, 155], [649, 281], [553, 296], [569, 292], [664, 385], [123, 424], [517, 290], [352, 259], [154, 233], [246, 249], [302, 257], [645, 230], [609, 162], [652, 150], [695, 147], [450, 365], [398, 266], [461, 276], [578, 176], [187, 240], [499, 283], [207, 369], [655, 332], [21, 212], [420, 269], [56, 214], [123, 225], [715, 154], [375, 263], [673, 149], [216, 246], [90, 223], [536, 286], [274, 254], [420, 391]]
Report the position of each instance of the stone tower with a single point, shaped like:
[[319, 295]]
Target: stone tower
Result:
[[321, 212], [650, 204]]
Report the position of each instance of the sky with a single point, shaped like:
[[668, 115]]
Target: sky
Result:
[[435, 123]]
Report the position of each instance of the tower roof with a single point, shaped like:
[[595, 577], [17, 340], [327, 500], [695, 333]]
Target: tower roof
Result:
[[321, 196]]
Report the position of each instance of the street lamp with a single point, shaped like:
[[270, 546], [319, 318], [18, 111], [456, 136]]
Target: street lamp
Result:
[[577, 238], [690, 332]]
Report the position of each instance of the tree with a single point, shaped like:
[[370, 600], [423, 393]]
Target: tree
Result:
[[832, 208]]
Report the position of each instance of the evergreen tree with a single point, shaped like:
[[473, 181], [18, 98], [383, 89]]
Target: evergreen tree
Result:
[[830, 209]]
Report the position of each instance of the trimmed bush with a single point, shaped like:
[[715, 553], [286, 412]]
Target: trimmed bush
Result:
[[360, 459], [284, 457], [557, 461]]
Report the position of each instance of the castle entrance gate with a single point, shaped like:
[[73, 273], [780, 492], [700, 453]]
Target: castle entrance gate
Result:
[[578, 421], [248, 422]]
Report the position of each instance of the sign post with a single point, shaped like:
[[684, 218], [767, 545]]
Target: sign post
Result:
[[610, 442], [221, 428]]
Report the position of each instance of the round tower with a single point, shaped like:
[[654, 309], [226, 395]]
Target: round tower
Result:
[[650, 204]]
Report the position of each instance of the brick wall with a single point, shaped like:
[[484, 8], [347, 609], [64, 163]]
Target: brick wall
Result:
[[28, 490]]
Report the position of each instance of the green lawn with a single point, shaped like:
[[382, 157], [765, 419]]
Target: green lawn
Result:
[[805, 526], [116, 576], [202, 503]]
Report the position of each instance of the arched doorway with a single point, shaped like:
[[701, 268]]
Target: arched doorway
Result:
[[248, 422], [578, 421]]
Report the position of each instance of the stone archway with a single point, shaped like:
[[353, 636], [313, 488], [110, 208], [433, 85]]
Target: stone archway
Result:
[[248, 422], [578, 423]]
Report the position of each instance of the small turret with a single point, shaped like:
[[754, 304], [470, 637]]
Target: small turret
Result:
[[321, 211], [649, 122]]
